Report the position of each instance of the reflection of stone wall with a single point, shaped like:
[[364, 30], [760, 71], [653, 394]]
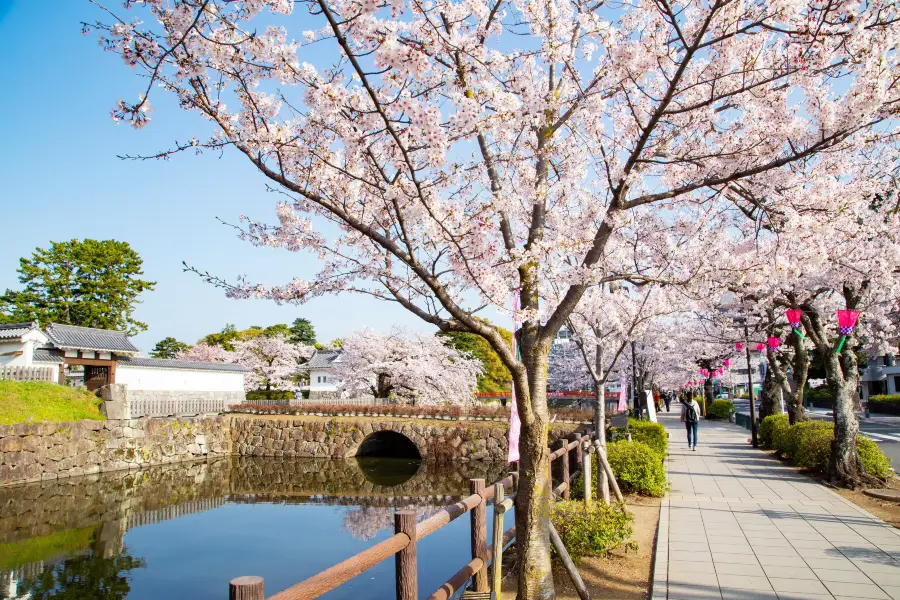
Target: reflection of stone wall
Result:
[[40, 509], [289, 477], [318, 437], [32, 452]]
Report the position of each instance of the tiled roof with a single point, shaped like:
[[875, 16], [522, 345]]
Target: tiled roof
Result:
[[88, 338], [15, 330], [322, 359], [48, 355], [162, 363]]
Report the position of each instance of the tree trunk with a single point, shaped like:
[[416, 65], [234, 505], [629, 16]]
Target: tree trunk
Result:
[[768, 397], [799, 373], [707, 394], [844, 467], [533, 496]]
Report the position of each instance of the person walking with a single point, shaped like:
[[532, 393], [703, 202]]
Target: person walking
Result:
[[690, 416], [668, 399]]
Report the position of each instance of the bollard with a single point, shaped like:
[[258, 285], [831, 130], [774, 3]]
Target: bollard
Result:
[[248, 587]]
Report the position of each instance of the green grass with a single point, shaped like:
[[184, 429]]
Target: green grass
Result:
[[61, 543], [21, 401]]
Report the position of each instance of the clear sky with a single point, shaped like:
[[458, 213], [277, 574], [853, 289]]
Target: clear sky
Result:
[[61, 180]]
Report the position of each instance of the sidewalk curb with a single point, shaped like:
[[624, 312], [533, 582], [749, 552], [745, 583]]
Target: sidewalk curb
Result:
[[659, 584]]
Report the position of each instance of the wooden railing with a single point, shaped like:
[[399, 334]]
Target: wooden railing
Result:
[[402, 545], [27, 373]]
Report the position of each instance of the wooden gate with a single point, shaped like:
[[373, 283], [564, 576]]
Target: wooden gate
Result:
[[95, 377]]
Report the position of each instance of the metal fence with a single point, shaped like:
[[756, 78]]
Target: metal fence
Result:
[[27, 373]]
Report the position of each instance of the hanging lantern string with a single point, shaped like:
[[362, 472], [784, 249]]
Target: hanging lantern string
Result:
[[846, 323], [794, 317]]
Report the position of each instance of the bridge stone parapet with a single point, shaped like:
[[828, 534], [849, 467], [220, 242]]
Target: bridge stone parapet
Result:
[[343, 437]]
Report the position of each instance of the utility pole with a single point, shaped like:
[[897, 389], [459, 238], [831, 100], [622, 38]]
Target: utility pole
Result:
[[753, 438]]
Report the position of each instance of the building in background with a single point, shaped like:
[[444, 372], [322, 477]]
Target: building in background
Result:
[[881, 376], [99, 357], [323, 385]]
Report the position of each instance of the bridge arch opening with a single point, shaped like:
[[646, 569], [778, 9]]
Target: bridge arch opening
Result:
[[388, 444]]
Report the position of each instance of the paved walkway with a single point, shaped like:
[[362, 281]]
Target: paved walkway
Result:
[[739, 525]]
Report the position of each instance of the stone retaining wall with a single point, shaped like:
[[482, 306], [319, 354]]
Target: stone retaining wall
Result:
[[47, 451], [40, 451], [325, 437]]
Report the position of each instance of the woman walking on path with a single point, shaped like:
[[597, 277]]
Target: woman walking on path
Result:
[[690, 416]]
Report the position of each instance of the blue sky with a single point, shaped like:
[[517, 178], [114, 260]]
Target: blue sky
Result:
[[61, 180]]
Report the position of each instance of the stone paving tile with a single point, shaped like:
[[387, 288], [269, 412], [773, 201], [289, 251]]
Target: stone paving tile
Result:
[[740, 525]]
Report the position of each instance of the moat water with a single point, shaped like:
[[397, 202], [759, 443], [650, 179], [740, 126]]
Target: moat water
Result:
[[183, 531]]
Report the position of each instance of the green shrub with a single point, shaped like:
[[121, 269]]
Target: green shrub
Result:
[[769, 427], [788, 441], [873, 459], [593, 531], [652, 434], [814, 447], [884, 398], [719, 409], [638, 468], [814, 451], [270, 395]]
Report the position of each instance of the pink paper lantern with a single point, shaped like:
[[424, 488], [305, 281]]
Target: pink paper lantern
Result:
[[847, 321], [794, 316], [774, 342], [727, 363], [739, 346], [760, 347]]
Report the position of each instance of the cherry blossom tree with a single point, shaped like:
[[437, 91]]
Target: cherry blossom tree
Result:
[[204, 352], [831, 245], [466, 151], [273, 362], [406, 366]]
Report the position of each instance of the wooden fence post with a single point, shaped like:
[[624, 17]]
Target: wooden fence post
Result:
[[246, 588], [497, 560], [578, 452], [407, 571], [586, 476], [479, 534]]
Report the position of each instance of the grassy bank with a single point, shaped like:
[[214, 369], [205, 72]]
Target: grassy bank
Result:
[[21, 401]]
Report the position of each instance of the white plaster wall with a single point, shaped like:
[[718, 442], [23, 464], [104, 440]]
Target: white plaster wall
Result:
[[328, 383], [139, 378], [21, 360]]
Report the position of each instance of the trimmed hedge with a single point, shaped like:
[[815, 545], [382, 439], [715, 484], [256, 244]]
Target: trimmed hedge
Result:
[[788, 441], [594, 531], [638, 468], [719, 409], [888, 404], [652, 434], [808, 444], [770, 427]]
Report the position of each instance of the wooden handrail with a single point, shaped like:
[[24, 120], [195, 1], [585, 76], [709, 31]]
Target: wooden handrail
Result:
[[338, 574], [344, 571]]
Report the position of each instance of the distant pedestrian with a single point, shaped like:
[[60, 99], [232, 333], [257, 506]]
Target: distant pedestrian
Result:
[[668, 399], [690, 416]]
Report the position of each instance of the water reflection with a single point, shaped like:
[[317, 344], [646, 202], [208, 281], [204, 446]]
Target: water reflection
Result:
[[184, 530]]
